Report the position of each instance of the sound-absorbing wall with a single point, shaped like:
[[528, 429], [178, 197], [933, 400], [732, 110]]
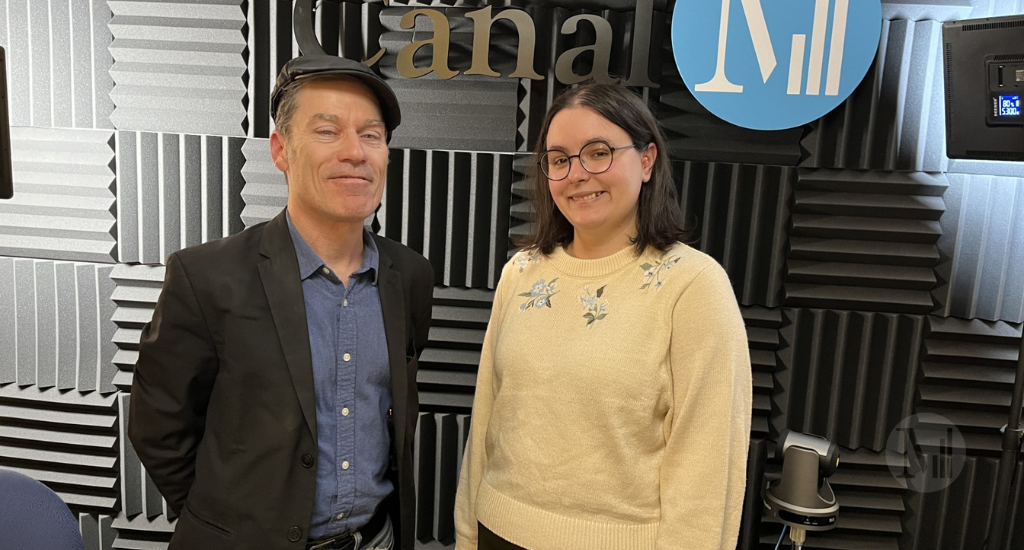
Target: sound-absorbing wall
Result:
[[877, 278]]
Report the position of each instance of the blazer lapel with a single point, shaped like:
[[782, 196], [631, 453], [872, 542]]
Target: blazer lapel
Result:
[[279, 271], [392, 304]]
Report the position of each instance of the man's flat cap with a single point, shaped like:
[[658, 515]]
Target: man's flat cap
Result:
[[310, 65]]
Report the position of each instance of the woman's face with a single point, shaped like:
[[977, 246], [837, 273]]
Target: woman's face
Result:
[[599, 205]]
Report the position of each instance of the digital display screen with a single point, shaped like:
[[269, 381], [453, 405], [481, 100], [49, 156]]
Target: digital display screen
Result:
[[1009, 105]]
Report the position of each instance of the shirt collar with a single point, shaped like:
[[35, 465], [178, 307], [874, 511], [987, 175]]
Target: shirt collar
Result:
[[310, 263]]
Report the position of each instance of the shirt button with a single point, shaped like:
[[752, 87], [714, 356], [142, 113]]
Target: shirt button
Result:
[[344, 303], [341, 515], [327, 271], [346, 357], [344, 411], [344, 465]]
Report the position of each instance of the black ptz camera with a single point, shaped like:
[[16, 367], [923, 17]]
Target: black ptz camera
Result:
[[802, 498]]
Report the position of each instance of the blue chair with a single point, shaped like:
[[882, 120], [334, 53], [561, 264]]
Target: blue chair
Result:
[[32, 517]]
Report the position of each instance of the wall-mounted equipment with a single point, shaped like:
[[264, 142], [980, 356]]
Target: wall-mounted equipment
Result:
[[984, 67]]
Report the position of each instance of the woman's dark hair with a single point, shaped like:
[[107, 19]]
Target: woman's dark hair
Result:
[[659, 219]]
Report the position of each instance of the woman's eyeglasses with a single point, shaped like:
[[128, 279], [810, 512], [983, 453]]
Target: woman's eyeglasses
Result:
[[595, 157]]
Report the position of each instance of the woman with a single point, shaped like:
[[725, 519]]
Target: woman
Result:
[[613, 400]]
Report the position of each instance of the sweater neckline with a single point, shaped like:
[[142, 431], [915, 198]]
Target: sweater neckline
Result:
[[575, 267]]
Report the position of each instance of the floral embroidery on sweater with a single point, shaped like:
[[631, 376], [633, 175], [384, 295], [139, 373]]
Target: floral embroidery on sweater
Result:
[[593, 311], [527, 259], [655, 273], [539, 295]]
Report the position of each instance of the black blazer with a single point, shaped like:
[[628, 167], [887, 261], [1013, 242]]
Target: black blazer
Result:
[[223, 414]]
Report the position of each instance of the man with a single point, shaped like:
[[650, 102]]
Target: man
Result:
[[279, 359]]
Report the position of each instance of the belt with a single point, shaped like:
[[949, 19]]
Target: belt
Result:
[[346, 541]]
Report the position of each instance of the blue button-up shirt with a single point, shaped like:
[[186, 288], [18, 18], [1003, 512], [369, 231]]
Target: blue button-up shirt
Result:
[[352, 382]]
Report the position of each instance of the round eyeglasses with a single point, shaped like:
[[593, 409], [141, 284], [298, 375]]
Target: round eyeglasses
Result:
[[595, 157]]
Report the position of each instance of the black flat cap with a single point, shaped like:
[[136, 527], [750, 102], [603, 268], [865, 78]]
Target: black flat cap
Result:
[[309, 65]]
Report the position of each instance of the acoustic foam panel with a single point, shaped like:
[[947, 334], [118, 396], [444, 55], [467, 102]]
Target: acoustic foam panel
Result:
[[97, 531], [462, 226], [739, 216], [176, 191], [64, 202], [949, 10], [58, 317], [966, 376], [763, 340], [58, 63], [67, 440], [521, 215], [180, 66], [847, 376], [996, 8], [982, 250], [986, 168], [921, 10], [135, 293], [895, 120], [448, 365], [959, 516], [865, 240], [141, 533], [264, 192], [438, 448]]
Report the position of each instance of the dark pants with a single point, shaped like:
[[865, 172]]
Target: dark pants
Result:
[[486, 540]]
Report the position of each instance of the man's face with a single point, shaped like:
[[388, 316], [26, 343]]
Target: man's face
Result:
[[336, 154]]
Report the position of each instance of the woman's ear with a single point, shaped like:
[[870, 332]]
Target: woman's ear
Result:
[[647, 158]]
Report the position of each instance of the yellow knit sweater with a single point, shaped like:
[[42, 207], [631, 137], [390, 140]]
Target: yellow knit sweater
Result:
[[612, 407]]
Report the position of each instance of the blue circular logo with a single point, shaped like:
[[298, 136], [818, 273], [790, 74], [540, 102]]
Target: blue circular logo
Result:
[[774, 64]]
